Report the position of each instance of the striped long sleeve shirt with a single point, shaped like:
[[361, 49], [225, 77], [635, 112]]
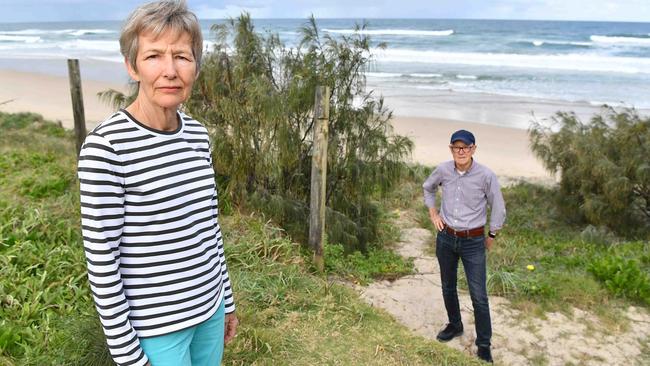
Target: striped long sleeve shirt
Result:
[[152, 241]]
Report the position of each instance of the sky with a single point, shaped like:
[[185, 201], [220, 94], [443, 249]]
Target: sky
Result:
[[602, 10]]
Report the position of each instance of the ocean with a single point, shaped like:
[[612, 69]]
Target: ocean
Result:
[[588, 63]]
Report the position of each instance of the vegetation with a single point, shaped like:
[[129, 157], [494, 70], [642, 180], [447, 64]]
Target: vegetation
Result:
[[605, 189], [288, 315], [561, 254], [541, 261], [257, 98], [377, 264], [42, 266], [623, 277], [604, 166]]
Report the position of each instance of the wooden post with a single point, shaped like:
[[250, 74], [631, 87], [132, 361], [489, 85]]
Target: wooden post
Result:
[[77, 102], [318, 175]]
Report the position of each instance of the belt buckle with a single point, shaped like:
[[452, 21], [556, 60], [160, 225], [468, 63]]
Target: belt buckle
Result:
[[458, 234], [450, 231]]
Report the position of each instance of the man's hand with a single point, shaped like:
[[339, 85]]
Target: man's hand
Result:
[[230, 327], [488, 243], [436, 220]]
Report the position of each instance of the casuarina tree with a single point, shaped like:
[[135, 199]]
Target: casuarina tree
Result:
[[603, 165], [256, 95]]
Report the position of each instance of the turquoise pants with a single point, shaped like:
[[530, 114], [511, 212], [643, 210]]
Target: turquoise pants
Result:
[[200, 345]]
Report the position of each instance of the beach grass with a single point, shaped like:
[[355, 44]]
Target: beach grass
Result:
[[565, 257], [289, 314]]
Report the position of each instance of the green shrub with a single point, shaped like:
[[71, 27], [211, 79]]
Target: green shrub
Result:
[[80, 341], [31, 121], [256, 96], [605, 174], [10, 339], [18, 120], [376, 264], [622, 277], [41, 187], [597, 235]]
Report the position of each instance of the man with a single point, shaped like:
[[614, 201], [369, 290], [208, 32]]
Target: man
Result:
[[467, 189]]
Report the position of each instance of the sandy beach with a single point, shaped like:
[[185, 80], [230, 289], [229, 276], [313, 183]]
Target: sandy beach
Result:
[[50, 96], [504, 149]]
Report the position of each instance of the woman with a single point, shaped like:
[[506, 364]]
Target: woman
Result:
[[153, 245]]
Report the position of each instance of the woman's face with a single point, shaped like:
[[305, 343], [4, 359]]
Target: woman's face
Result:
[[166, 68]]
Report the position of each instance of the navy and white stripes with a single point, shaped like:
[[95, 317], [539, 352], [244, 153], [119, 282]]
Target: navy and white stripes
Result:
[[152, 241]]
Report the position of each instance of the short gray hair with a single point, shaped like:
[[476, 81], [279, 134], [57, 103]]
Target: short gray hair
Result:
[[157, 17]]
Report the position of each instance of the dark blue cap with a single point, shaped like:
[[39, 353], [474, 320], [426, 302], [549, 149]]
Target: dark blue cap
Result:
[[464, 136]]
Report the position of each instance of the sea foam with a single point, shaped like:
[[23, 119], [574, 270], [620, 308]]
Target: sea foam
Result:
[[83, 44], [72, 32], [621, 40], [20, 39], [571, 62], [393, 32]]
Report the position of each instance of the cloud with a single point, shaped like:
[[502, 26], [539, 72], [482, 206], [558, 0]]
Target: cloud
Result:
[[230, 11], [71, 10]]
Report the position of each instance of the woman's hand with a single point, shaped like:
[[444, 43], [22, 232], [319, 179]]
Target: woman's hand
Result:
[[230, 327]]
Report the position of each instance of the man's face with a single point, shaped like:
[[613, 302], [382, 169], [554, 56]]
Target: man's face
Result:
[[462, 153]]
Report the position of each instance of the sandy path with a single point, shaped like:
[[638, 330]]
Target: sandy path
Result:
[[416, 301]]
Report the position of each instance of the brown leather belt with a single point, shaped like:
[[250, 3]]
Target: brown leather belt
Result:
[[479, 231]]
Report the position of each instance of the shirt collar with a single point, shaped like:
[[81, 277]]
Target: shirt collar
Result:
[[471, 167]]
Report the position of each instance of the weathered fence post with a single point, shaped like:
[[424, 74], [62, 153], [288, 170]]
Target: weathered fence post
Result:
[[318, 175], [77, 102]]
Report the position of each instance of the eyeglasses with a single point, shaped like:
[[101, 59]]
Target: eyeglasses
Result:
[[458, 149]]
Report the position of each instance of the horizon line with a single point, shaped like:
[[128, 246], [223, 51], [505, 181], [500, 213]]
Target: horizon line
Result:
[[352, 18]]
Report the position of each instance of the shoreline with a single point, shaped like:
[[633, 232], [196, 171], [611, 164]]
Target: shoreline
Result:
[[484, 108], [504, 149]]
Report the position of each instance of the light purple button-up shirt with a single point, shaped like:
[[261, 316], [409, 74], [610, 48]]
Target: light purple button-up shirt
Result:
[[465, 197]]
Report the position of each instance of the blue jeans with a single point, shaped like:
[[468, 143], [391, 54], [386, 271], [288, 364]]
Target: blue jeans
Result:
[[472, 252]]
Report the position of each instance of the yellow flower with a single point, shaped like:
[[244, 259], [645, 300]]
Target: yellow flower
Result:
[[530, 267]]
